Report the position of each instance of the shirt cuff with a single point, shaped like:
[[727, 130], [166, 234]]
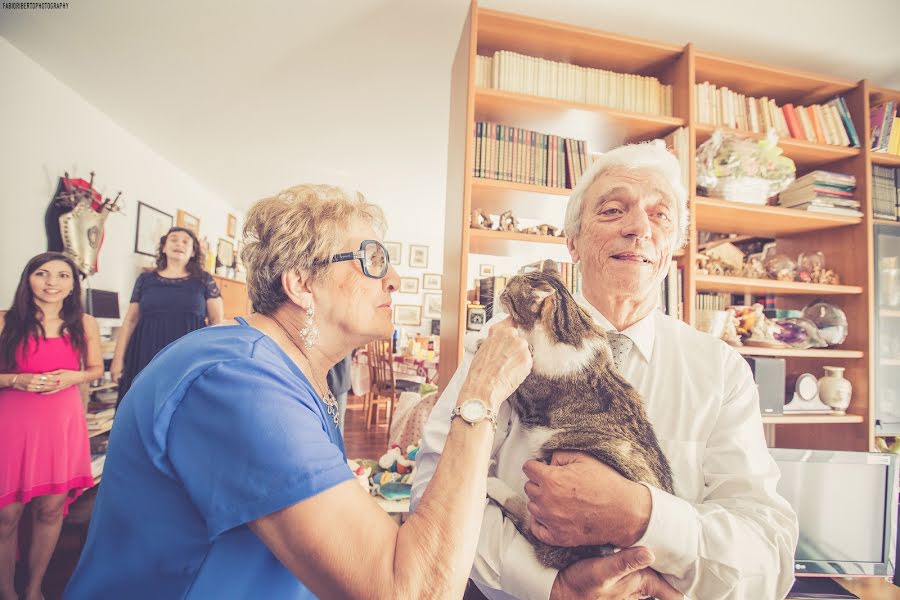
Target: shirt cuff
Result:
[[672, 532], [522, 576]]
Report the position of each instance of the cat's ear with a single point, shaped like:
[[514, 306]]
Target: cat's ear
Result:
[[549, 267]]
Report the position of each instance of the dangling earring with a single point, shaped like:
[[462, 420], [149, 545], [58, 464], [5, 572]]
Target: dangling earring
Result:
[[309, 333]]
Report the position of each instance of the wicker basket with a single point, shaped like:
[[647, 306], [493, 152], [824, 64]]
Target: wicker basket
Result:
[[752, 190]]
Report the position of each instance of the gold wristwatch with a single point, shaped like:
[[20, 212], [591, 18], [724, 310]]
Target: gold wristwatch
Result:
[[473, 412]]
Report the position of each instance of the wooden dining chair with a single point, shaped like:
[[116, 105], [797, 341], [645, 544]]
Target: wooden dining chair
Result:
[[382, 390]]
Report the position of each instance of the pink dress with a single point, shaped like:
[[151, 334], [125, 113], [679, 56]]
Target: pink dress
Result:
[[44, 446]]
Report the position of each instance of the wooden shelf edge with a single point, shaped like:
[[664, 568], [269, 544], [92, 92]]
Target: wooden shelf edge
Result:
[[512, 186], [776, 218], [509, 236], [612, 113], [795, 353], [878, 221], [738, 284], [885, 159], [811, 419]]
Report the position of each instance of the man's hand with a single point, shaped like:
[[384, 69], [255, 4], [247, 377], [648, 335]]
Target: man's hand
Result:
[[623, 575], [579, 501]]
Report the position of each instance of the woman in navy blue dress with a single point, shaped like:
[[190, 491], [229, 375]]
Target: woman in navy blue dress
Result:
[[175, 299]]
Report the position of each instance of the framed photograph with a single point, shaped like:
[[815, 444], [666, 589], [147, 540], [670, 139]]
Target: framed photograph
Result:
[[485, 270], [431, 281], [407, 314], [432, 309], [475, 317], [395, 251], [225, 253], [188, 221], [409, 285], [152, 224], [418, 256], [231, 226]]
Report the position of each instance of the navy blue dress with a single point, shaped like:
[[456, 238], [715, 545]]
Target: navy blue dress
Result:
[[170, 309]]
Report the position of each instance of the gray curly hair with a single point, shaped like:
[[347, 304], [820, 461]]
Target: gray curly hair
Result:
[[297, 229]]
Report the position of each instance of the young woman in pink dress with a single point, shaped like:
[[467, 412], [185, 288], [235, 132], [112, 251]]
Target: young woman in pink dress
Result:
[[47, 347]]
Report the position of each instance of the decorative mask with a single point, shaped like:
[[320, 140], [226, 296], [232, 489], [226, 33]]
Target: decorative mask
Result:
[[75, 219]]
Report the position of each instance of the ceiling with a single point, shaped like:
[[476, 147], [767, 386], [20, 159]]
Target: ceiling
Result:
[[250, 98]]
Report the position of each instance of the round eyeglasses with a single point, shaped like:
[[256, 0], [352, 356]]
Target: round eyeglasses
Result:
[[373, 258]]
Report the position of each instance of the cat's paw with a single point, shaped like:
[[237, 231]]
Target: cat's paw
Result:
[[498, 491]]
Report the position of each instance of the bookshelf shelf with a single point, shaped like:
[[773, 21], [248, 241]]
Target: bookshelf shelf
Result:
[[507, 243], [741, 285], [793, 353], [889, 362], [889, 312], [812, 419], [804, 154], [884, 159], [582, 121], [885, 222], [481, 185], [722, 216]]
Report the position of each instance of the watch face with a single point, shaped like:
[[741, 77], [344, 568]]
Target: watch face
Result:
[[473, 411]]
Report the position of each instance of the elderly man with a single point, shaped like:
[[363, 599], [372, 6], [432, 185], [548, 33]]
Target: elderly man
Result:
[[725, 533]]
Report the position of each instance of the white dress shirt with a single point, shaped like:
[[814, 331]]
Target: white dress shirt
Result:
[[725, 533]]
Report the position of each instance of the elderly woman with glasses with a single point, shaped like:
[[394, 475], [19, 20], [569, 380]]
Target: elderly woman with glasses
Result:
[[226, 475]]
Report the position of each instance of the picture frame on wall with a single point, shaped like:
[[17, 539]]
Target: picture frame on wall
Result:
[[418, 256], [407, 314], [152, 225], [432, 281], [395, 251], [409, 285], [475, 317], [225, 253], [432, 308], [188, 221], [485, 270], [231, 226]]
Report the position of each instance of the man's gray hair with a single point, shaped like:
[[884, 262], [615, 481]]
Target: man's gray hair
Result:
[[647, 155]]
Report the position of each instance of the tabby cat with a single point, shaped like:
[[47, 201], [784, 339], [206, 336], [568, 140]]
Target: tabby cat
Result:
[[574, 399]]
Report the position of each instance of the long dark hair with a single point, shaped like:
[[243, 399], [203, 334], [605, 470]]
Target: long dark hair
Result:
[[23, 320], [195, 264]]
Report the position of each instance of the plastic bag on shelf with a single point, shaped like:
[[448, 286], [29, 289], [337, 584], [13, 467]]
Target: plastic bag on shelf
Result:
[[740, 169]]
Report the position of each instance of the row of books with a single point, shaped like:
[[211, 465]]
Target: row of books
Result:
[[713, 301], [822, 192], [886, 192], [885, 127], [828, 123], [522, 156], [513, 72]]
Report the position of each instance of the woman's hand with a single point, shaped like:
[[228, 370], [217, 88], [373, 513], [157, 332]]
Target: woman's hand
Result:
[[115, 369], [501, 364], [60, 380], [31, 382]]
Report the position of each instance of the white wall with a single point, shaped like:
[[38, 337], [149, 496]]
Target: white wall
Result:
[[47, 129]]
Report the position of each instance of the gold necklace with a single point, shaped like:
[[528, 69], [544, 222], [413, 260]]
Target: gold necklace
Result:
[[327, 398]]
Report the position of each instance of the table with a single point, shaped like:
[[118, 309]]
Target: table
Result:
[[870, 588]]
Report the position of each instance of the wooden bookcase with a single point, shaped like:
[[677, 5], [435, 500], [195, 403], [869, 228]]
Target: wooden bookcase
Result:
[[847, 242]]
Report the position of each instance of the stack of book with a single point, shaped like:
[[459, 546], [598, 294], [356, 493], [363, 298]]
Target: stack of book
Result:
[[885, 192], [100, 419], [885, 127], [822, 192], [827, 123], [521, 156], [513, 72]]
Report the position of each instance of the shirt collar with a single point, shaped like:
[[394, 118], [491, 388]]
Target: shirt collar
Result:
[[642, 333]]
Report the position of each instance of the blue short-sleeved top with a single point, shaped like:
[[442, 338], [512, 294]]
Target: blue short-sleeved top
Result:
[[220, 429]]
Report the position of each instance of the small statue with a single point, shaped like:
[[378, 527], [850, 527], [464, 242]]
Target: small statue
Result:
[[480, 220], [550, 230], [508, 222], [533, 230], [754, 268]]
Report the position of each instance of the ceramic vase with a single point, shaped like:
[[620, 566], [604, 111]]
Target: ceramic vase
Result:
[[834, 390]]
